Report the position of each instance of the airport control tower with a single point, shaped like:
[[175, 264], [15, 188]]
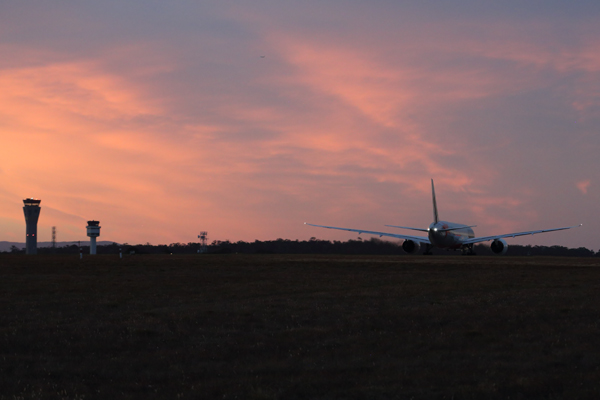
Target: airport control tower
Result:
[[32, 213], [93, 231]]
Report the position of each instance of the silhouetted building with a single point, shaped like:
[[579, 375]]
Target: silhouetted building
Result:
[[32, 213], [93, 231]]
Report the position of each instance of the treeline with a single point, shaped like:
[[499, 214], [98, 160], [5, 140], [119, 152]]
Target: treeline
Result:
[[372, 246]]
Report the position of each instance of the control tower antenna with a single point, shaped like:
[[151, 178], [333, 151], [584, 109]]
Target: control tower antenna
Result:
[[32, 210], [203, 236], [93, 231]]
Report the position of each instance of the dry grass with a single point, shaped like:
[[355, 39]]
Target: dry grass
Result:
[[291, 327]]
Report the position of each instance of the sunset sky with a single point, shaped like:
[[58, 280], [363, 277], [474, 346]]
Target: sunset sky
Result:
[[161, 119]]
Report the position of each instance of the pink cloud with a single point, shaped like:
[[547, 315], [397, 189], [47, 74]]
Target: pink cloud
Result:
[[161, 140], [583, 186]]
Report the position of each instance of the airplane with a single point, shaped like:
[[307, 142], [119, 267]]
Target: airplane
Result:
[[446, 235]]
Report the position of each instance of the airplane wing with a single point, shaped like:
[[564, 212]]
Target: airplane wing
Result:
[[438, 230], [419, 239], [408, 227], [486, 238]]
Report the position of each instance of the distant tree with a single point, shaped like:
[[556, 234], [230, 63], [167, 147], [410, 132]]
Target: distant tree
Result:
[[374, 246]]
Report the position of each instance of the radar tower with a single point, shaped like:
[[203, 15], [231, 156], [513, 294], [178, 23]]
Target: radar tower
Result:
[[203, 236]]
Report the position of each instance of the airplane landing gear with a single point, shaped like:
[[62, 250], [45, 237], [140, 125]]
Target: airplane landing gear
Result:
[[427, 251], [468, 250]]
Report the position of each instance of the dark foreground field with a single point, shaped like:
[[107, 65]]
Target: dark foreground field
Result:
[[290, 327]]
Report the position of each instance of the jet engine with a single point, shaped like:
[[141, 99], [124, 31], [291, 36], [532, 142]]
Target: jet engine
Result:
[[411, 247], [499, 247]]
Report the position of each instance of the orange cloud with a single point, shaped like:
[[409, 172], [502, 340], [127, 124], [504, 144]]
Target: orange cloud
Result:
[[390, 96]]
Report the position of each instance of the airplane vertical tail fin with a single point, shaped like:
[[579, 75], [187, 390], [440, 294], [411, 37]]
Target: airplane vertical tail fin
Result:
[[435, 212]]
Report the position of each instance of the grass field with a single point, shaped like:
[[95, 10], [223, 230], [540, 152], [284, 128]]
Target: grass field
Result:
[[299, 327]]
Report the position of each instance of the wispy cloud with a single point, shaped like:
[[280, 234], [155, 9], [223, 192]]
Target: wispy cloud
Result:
[[583, 186], [172, 123]]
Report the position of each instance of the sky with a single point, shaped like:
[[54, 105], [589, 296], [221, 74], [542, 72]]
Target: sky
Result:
[[248, 118]]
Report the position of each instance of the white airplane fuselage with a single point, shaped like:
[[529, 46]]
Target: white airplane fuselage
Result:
[[441, 237]]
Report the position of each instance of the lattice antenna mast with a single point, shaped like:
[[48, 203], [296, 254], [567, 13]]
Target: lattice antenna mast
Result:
[[203, 236], [53, 239]]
